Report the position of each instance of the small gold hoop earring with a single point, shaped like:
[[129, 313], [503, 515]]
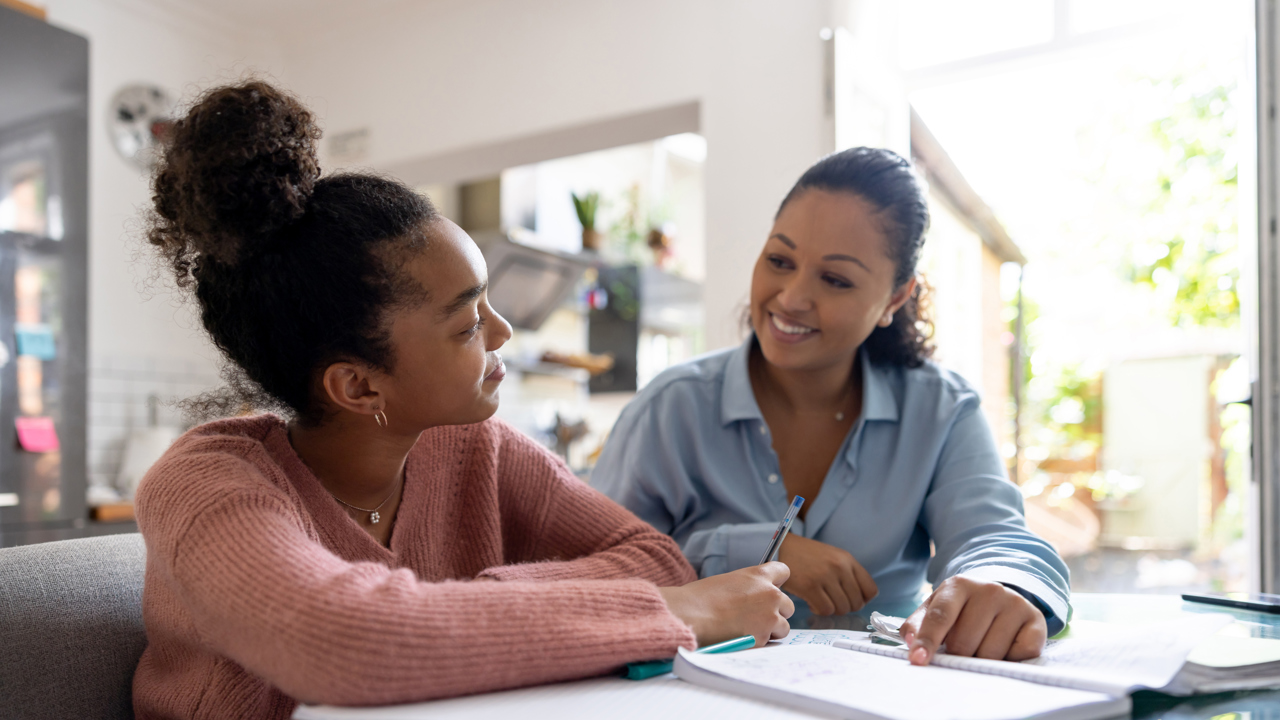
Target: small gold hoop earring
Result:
[[381, 418]]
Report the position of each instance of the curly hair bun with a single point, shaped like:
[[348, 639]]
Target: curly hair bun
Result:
[[236, 170]]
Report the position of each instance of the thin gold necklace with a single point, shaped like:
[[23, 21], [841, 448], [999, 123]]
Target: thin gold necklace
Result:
[[755, 369], [374, 515], [847, 394]]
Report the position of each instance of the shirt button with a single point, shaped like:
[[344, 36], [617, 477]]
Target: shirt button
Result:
[[773, 478], [764, 430]]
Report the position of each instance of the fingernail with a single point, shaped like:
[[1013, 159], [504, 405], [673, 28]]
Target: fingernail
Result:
[[920, 656]]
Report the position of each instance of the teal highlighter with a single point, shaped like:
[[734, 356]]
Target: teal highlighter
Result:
[[646, 670]]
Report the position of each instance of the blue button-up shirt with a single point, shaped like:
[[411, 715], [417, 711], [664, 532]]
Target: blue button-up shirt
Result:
[[693, 456]]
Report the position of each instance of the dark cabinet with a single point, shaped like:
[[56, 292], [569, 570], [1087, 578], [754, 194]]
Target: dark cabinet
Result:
[[44, 199]]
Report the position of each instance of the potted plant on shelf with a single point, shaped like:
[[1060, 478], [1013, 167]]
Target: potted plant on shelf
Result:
[[586, 207]]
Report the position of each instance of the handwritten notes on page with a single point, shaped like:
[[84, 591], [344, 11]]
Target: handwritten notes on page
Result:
[[37, 434], [818, 637], [823, 679]]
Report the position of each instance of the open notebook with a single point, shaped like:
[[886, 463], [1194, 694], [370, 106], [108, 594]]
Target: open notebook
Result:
[[851, 676], [1139, 656]]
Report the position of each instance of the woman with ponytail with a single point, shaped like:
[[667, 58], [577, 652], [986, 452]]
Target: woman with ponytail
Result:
[[381, 539], [833, 398]]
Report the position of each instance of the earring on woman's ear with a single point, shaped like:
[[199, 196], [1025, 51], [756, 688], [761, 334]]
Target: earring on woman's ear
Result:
[[380, 418], [887, 320]]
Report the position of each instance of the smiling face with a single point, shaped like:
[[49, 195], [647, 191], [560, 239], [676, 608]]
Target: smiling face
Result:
[[446, 368], [823, 282]]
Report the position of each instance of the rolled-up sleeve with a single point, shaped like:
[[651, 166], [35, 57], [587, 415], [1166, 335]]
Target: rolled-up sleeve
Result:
[[729, 547], [975, 517]]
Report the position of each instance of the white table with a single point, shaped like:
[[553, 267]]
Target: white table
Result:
[[666, 697], [669, 698]]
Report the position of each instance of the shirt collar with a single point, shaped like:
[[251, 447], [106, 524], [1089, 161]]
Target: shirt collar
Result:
[[878, 400], [738, 400]]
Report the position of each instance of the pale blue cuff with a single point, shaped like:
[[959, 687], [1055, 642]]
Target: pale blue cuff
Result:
[[1048, 600], [743, 546]]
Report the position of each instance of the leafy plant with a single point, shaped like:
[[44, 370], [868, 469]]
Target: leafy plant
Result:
[[586, 207], [1189, 254], [1074, 410]]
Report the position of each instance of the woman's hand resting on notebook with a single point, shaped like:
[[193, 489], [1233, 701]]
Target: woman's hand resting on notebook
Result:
[[743, 602], [975, 618], [825, 576]]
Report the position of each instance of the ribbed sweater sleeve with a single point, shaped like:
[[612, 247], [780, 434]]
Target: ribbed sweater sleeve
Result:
[[263, 593], [554, 515]]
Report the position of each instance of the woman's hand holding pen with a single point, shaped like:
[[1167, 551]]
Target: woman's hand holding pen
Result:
[[743, 602], [826, 577], [975, 618]]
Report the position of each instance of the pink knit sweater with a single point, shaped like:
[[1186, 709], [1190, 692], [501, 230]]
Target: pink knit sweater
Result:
[[261, 592]]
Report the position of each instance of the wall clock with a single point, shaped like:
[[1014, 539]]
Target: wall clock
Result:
[[138, 118]]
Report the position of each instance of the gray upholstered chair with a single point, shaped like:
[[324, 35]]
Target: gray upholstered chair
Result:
[[71, 628]]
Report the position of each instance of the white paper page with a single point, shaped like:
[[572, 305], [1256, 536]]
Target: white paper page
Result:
[[1146, 656], [888, 688], [819, 637]]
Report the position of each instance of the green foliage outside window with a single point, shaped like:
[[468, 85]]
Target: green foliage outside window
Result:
[[1171, 229], [1190, 253]]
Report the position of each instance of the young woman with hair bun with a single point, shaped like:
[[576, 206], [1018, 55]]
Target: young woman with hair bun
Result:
[[383, 539], [833, 398]]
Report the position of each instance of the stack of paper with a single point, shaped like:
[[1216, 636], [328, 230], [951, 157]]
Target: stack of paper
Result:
[[1226, 662]]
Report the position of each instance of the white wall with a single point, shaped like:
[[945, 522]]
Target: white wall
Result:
[[430, 77], [952, 264], [140, 340], [434, 77], [130, 42]]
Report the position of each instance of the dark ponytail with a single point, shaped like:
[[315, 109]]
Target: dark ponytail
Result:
[[887, 181], [292, 271]]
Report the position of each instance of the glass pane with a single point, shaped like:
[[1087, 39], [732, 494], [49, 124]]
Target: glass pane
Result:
[[1117, 173], [24, 198], [940, 31], [1091, 15]]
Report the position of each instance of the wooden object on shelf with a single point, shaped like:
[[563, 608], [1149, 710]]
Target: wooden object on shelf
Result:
[[114, 512], [1087, 464], [593, 364], [34, 11]]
